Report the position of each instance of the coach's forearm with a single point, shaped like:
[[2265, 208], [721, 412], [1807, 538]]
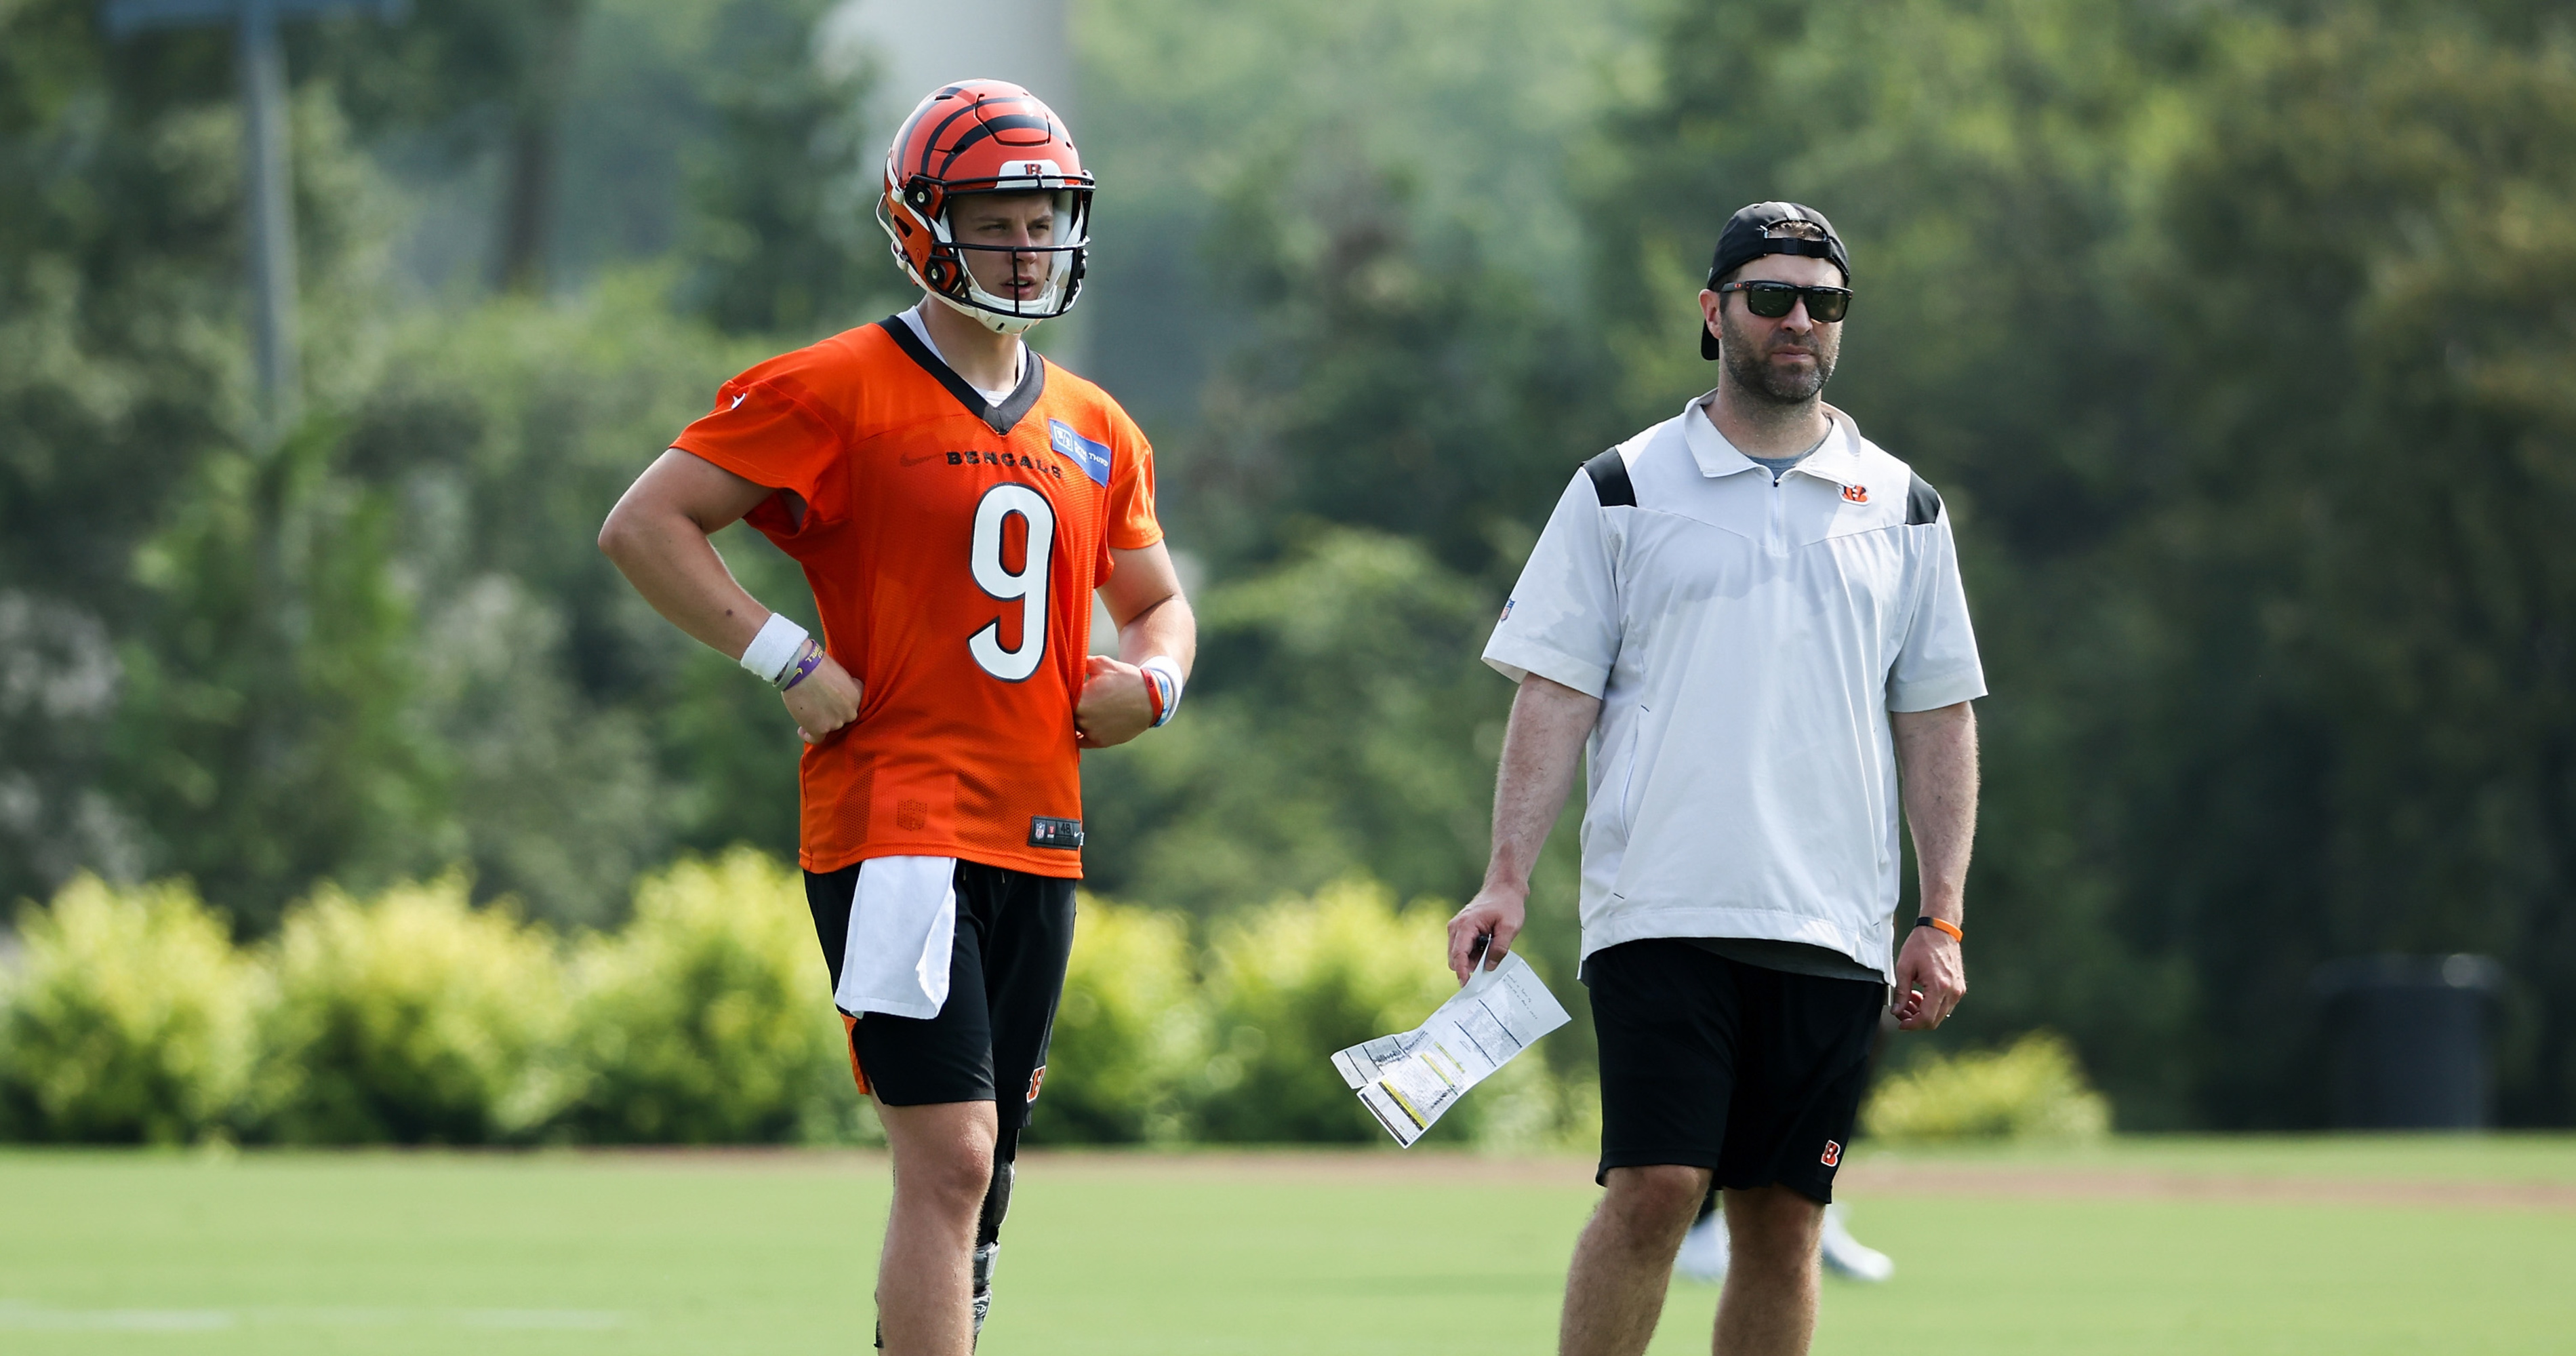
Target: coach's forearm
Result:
[[1542, 746], [1936, 759]]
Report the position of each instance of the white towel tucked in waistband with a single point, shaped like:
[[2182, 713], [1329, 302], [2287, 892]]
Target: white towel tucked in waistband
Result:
[[903, 926]]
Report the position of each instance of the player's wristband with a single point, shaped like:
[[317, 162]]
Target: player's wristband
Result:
[[809, 657], [771, 653], [1162, 687], [1926, 920]]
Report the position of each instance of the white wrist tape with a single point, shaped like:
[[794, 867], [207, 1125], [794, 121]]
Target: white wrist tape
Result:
[[774, 648], [1166, 678]]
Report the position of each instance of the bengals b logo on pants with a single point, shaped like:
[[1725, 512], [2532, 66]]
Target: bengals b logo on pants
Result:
[[1833, 1152]]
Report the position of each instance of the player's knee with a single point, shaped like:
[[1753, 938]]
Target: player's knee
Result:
[[1659, 1196], [953, 1181]]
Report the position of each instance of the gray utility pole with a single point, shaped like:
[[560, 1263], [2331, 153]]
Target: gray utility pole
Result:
[[259, 61]]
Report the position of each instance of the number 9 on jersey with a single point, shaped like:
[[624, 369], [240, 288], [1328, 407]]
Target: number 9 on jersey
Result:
[[1027, 585]]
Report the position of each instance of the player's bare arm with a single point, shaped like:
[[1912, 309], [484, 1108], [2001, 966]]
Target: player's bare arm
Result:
[[1143, 595], [1542, 746], [657, 536], [1936, 761]]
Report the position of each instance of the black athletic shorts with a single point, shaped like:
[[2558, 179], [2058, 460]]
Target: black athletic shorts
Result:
[[1014, 931], [1755, 1074]]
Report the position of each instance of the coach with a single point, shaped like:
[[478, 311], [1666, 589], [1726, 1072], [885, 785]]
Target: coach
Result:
[[1750, 618]]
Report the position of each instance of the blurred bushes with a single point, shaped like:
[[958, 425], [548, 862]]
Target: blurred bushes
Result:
[[1293, 981], [1131, 1033], [2033, 1089], [704, 1021], [128, 1019], [413, 1017]]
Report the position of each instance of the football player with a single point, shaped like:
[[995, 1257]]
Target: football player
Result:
[[956, 501]]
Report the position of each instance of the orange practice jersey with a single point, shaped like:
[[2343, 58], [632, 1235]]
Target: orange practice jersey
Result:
[[952, 548]]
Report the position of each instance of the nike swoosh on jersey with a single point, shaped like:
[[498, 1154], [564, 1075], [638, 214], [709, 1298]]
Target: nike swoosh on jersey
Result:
[[916, 461]]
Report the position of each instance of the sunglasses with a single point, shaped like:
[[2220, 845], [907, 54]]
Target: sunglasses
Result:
[[1772, 300]]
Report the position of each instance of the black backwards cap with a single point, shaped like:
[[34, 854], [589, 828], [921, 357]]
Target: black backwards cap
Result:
[[1748, 237]]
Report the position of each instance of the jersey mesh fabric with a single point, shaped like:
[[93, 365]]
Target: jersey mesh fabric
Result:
[[890, 470]]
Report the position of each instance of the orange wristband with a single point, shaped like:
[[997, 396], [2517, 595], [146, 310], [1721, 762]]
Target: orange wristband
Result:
[[1928, 921]]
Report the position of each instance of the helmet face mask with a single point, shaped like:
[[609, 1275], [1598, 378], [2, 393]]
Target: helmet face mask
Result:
[[1020, 252], [987, 205]]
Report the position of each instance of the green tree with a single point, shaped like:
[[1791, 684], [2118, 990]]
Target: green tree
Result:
[[2367, 739], [262, 734], [580, 738], [780, 237], [1394, 380], [122, 366]]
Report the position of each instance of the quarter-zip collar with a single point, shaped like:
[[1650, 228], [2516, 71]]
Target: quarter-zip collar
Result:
[[1836, 459]]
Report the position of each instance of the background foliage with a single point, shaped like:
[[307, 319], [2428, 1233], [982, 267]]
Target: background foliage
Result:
[[2237, 338], [130, 1022], [410, 1018], [696, 1024], [413, 1017]]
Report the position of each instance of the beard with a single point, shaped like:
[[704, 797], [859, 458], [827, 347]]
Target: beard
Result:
[[1749, 368]]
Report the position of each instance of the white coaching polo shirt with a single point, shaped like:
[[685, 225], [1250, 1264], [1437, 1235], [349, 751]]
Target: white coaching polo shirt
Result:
[[1747, 640]]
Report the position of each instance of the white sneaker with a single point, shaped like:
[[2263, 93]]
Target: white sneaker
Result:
[[1703, 1254], [1844, 1255]]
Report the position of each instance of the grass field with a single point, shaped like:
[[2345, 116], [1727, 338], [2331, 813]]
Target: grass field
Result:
[[2346, 1246]]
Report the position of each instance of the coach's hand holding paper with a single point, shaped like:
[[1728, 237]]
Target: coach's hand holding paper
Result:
[[1408, 1080]]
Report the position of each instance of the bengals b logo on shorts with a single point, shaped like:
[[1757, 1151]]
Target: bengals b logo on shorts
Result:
[[1036, 1077], [1833, 1152]]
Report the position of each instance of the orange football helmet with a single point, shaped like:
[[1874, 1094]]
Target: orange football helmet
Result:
[[984, 136]]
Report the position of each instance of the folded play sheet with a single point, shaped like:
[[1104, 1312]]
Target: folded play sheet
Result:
[[1407, 1080]]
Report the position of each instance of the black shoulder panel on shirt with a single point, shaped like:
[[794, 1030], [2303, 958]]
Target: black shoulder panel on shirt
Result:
[[1610, 483], [1921, 504]]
